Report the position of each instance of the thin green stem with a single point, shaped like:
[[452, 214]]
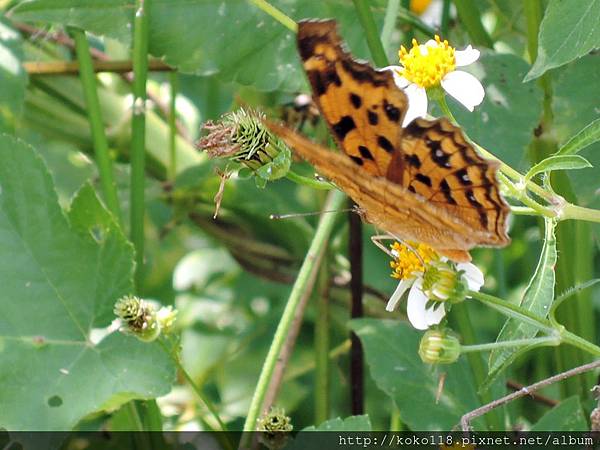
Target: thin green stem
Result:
[[276, 14], [138, 131], [363, 11], [569, 338], [445, 21], [571, 211], [174, 85], [389, 22], [514, 311], [471, 19], [547, 340], [90, 91], [304, 281], [412, 19], [306, 181], [203, 398]]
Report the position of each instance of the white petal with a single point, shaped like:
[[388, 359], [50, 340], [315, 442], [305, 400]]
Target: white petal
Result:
[[415, 307], [467, 56], [419, 317], [464, 87], [473, 275], [397, 295], [400, 81], [417, 103]]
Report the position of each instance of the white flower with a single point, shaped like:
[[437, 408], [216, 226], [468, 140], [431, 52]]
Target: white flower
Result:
[[434, 64], [431, 283]]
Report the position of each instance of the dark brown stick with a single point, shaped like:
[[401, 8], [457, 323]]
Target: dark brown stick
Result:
[[537, 397], [72, 67], [466, 419], [356, 288]]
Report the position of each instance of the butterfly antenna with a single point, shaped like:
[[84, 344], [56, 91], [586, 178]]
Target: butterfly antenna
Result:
[[314, 213]]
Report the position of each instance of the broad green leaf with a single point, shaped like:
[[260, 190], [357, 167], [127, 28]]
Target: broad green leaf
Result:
[[589, 135], [504, 123], [352, 423], [569, 30], [537, 299], [13, 78], [566, 416], [60, 279], [391, 352], [558, 162], [231, 38]]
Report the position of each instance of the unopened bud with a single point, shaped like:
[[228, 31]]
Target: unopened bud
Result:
[[439, 347]]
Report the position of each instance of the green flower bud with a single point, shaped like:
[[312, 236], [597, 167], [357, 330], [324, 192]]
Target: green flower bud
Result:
[[439, 347], [443, 283]]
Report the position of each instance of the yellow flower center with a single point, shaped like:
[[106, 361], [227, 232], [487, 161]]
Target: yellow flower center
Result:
[[427, 70], [410, 261]]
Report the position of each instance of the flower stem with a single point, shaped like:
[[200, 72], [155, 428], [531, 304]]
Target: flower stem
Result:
[[204, 399], [138, 133], [363, 10], [571, 211], [304, 281], [174, 84], [389, 22], [547, 340], [471, 18], [276, 14], [321, 376], [103, 160]]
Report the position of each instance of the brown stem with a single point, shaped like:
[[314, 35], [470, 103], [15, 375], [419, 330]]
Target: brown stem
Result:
[[537, 397], [466, 419], [72, 67], [356, 287]]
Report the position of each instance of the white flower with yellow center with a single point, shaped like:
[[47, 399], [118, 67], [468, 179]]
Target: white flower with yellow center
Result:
[[432, 281], [431, 65]]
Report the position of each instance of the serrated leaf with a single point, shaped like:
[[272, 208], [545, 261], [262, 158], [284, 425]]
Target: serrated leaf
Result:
[[589, 135], [391, 350], [537, 299], [558, 162], [568, 31], [566, 416], [60, 280]]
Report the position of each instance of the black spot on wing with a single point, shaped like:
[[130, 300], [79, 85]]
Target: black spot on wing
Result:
[[423, 179], [445, 189], [373, 117], [364, 73], [343, 127], [413, 160], [320, 81], [412, 189], [463, 177], [392, 112], [357, 160], [439, 156], [355, 100], [385, 144], [365, 152]]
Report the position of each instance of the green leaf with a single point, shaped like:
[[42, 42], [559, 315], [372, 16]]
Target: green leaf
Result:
[[352, 423], [537, 299], [589, 135], [566, 416], [59, 281], [391, 352], [569, 30], [558, 162], [13, 78], [504, 123]]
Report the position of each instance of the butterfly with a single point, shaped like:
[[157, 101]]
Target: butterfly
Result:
[[422, 183]]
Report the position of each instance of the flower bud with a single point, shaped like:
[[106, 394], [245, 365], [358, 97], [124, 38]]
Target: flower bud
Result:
[[439, 347], [274, 426], [443, 283]]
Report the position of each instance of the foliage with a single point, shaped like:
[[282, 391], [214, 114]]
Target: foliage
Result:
[[241, 281]]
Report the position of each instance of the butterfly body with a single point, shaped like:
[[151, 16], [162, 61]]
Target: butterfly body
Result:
[[421, 183]]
